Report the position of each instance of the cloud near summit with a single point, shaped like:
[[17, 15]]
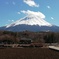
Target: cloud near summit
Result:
[[28, 12], [31, 3]]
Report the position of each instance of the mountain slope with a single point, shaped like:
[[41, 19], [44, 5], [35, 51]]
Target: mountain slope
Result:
[[32, 22]]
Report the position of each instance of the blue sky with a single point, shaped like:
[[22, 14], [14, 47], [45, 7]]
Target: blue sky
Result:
[[10, 10]]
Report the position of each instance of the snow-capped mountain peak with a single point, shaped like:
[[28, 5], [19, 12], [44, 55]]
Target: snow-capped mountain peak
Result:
[[34, 21], [31, 20]]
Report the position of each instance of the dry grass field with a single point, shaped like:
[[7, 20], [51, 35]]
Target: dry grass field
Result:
[[28, 53]]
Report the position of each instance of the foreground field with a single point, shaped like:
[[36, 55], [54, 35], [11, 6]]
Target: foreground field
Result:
[[28, 53]]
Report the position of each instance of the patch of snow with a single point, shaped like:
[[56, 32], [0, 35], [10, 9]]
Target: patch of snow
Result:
[[31, 20]]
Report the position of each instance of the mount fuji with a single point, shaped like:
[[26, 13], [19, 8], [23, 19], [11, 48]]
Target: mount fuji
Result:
[[32, 22]]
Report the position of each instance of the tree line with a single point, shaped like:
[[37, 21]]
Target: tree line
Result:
[[38, 37]]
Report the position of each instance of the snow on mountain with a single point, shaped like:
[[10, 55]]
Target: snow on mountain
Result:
[[32, 19]]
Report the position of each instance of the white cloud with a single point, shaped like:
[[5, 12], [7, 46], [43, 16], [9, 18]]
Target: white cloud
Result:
[[28, 12], [31, 3], [13, 3], [48, 7], [52, 18], [18, 12], [12, 20]]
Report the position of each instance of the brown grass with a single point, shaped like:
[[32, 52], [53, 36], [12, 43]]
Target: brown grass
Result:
[[28, 53]]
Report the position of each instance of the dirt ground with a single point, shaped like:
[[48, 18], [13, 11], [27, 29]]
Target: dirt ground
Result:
[[28, 53]]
